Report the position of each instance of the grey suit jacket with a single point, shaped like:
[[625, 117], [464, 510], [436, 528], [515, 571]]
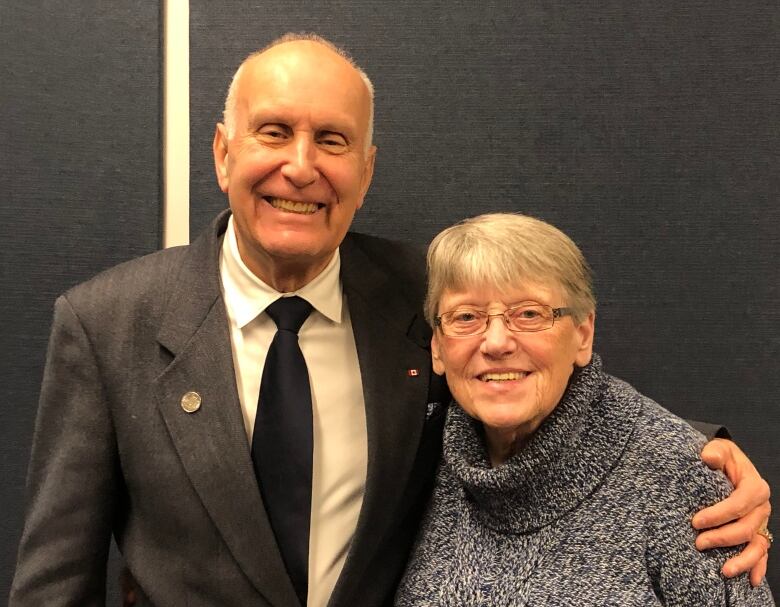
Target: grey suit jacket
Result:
[[114, 452]]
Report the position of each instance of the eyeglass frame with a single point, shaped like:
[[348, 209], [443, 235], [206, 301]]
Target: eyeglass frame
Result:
[[556, 313]]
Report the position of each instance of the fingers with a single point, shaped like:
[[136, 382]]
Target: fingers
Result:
[[750, 500], [735, 520], [758, 572], [753, 558], [714, 453], [738, 532], [750, 490]]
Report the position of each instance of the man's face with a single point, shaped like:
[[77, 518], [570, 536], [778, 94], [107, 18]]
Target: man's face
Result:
[[296, 169]]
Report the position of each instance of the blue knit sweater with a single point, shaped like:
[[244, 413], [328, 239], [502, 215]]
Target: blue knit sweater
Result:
[[595, 510]]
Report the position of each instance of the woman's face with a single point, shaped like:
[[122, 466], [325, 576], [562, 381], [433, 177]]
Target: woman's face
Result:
[[510, 381]]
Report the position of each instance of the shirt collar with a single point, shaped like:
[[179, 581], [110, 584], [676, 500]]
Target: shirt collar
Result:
[[246, 296]]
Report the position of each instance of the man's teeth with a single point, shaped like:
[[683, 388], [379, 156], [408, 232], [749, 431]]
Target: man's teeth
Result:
[[508, 376], [292, 206]]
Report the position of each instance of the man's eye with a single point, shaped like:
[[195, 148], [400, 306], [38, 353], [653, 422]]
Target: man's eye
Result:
[[332, 141], [272, 132]]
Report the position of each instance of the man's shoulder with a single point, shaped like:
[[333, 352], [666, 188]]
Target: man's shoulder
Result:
[[143, 282], [153, 276], [138, 273]]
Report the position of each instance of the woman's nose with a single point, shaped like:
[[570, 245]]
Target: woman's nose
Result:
[[498, 340]]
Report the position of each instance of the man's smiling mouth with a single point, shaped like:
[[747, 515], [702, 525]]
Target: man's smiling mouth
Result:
[[292, 206]]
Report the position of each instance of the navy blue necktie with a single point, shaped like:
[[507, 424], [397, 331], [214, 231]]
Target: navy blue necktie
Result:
[[282, 440]]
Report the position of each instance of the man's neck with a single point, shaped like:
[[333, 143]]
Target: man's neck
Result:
[[284, 275], [289, 278]]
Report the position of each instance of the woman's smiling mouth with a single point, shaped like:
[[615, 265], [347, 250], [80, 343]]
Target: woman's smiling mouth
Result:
[[503, 376]]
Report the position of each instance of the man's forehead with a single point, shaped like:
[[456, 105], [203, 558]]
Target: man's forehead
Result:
[[286, 59], [305, 77]]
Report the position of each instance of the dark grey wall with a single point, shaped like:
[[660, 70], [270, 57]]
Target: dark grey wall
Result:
[[79, 183], [647, 132]]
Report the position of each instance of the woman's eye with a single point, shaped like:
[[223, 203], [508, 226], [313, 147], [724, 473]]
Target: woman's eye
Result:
[[527, 314], [464, 317]]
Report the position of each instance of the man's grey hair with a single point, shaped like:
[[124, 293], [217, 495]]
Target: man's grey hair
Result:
[[229, 113], [502, 251]]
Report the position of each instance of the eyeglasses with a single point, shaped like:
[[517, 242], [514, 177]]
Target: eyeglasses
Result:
[[525, 317]]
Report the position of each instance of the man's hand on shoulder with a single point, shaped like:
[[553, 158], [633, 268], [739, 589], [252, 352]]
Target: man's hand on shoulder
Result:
[[737, 519]]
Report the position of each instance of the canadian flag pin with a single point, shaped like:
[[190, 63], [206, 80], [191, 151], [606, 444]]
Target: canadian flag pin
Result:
[[412, 372]]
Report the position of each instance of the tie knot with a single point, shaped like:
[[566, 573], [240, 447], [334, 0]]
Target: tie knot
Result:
[[289, 313]]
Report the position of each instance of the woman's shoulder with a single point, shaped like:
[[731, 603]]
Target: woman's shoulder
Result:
[[667, 482], [656, 428], [666, 449]]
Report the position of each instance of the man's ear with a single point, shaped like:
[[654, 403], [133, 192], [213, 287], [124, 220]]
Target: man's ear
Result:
[[368, 174], [584, 335], [438, 363], [221, 159]]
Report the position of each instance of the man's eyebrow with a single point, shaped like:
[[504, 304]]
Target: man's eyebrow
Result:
[[267, 117], [344, 131], [344, 126]]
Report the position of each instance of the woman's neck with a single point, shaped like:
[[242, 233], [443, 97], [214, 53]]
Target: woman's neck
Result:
[[503, 443]]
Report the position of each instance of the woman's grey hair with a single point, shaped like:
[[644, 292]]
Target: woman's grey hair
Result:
[[502, 251], [229, 113]]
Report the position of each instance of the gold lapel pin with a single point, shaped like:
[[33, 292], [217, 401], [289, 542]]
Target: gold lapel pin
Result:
[[191, 402]]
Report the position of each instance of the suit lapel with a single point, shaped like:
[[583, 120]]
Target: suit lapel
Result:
[[391, 340], [211, 442]]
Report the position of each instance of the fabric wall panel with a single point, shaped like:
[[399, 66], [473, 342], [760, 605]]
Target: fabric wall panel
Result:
[[648, 133], [80, 176]]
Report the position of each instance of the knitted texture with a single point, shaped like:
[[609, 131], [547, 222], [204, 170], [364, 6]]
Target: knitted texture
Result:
[[594, 510]]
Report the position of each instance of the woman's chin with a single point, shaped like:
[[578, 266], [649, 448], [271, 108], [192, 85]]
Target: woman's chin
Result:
[[504, 417]]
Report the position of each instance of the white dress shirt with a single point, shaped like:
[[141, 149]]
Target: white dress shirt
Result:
[[338, 408]]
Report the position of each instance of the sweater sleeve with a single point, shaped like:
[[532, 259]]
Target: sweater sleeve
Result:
[[682, 575]]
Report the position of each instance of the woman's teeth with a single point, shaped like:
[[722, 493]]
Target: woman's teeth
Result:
[[508, 376]]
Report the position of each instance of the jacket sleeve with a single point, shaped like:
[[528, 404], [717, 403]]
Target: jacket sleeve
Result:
[[682, 575], [72, 477], [710, 430]]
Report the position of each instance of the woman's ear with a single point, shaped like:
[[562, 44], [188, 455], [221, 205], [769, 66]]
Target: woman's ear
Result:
[[438, 364], [584, 335]]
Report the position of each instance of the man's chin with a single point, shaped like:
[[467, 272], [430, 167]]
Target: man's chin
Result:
[[296, 251], [292, 256]]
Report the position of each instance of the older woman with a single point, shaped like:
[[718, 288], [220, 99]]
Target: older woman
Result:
[[559, 485]]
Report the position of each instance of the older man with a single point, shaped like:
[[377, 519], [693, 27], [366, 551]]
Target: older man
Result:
[[149, 425]]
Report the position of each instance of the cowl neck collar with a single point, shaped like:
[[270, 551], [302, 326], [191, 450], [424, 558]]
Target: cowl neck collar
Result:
[[563, 462]]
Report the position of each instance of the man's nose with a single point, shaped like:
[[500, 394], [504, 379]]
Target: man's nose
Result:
[[300, 166], [498, 340]]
